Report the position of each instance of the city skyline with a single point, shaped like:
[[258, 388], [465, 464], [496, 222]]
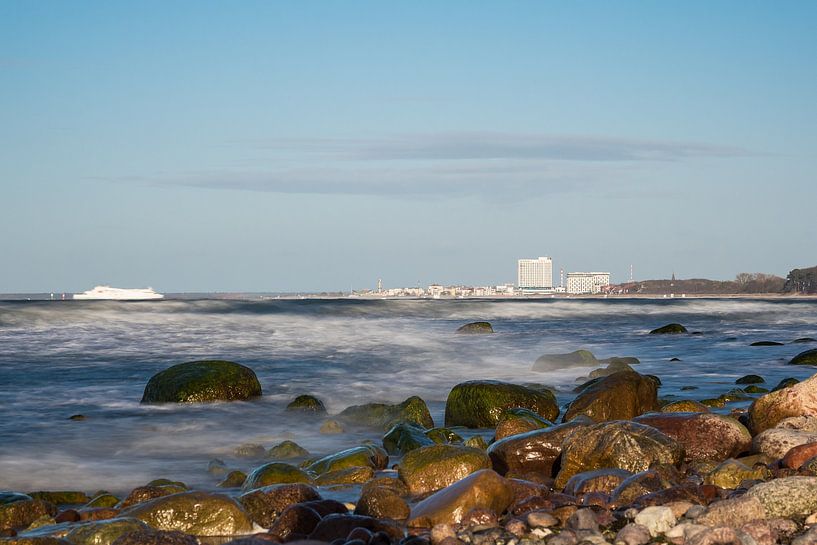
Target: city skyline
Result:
[[312, 147]]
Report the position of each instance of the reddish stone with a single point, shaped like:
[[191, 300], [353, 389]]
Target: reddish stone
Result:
[[798, 455]]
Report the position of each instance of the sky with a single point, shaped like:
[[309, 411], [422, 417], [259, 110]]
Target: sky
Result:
[[323, 145]]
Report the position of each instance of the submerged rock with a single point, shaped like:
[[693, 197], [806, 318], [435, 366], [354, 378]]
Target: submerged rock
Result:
[[785, 383], [286, 450], [577, 358], [620, 396], [809, 357], [69, 497], [199, 381], [196, 513], [483, 489], [476, 328], [669, 329], [704, 436], [766, 343], [383, 415], [480, 403], [797, 400], [750, 379], [234, 479], [308, 404], [431, 468]]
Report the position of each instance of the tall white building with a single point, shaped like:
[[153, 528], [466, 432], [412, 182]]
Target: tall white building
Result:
[[535, 274], [587, 282]]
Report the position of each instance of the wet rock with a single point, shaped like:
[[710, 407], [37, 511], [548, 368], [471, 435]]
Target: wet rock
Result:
[[476, 328], [331, 427], [405, 437], [733, 512], [787, 497], [200, 381], [633, 534], [234, 479], [384, 416], [11, 497], [532, 452], [704, 436], [326, 507], [434, 467], [785, 383], [617, 444], [476, 442], [614, 367], [296, 519], [443, 436], [196, 513], [155, 537], [750, 379], [599, 480], [620, 396], [515, 421], [362, 456], [766, 343], [755, 389], [797, 400], [484, 489], [103, 500], [307, 404], [797, 456], [345, 476], [730, 473], [480, 403], [789, 433], [275, 473], [637, 485], [685, 406], [265, 504], [104, 532], [22, 512], [809, 357], [656, 519], [145, 493], [98, 513], [62, 497], [287, 450], [804, 340], [578, 358], [381, 502], [669, 329], [249, 450], [217, 468], [338, 526]]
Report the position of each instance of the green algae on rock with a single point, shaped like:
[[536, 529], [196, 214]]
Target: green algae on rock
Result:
[[405, 437], [577, 358], [431, 468], [809, 357], [195, 513], [275, 473], [685, 406], [383, 415], [202, 381], [750, 379], [476, 328], [365, 455], [104, 532], [480, 403], [669, 329], [308, 404], [286, 450]]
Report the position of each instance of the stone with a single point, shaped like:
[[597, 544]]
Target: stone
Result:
[[381, 502], [62, 498], [22, 512], [480, 403], [249, 450], [685, 406], [484, 489], [405, 437], [145, 493], [583, 520], [345, 476], [155, 537], [196, 513], [362, 456], [669, 329], [797, 456], [541, 519], [704, 436], [785, 383], [656, 519], [476, 328], [265, 504], [552, 362], [234, 479], [338, 526], [620, 396], [614, 367], [732, 512], [103, 500], [287, 450], [632, 534], [797, 400], [217, 468], [431, 468], [787, 497], [755, 389], [297, 519], [532, 452], [599, 480], [331, 427], [443, 435], [809, 357], [384, 416], [514, 421], [201, 381], [791, 432], [766, 343], [275, 473], [104, 532], [638, 485], [476, 441], [750, 379], [730, 473], [307, 404], [616, 444]]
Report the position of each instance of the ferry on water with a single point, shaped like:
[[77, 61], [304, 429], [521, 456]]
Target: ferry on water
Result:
[[119, 294]]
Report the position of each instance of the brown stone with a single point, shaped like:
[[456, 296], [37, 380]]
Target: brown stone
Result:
[[620, 396], [704, 436], [733, 512], [599, 480], [265, 504], [640, 484], [144, 493], [428, 469], [798, 455], [295, 519], [382, 503], [797, 400], [20, 514], [338, 526], [98, 513], [532, 452]]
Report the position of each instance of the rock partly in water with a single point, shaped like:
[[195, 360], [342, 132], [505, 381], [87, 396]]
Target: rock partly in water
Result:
[[766, 343], [346, 476], [534, 452], [577, 358], [516, 420], [480, 403], [809, 357], [195, 513], [484, 489], [287, 450], [669, 329], [264, 505], [275, 473], [704, 436], [384, 416], [476, 328], [620, 396], [405, 437], [685, 406], [431, 468], [797, 400], [67, 497], [308, 404], [22, 512], [362, 456], [616, 444], [750, 379], [200, 381]]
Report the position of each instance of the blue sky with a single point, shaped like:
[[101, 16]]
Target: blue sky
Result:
[[284, 146]]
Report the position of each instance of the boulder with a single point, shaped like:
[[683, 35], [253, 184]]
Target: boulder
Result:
[[516, 420], [384, 416], [62, 498], [104, 532], [799, 455], [275, 473], [598, 480], [669, 329], [615, 367], [234, 479], [750, 379], [532, 452], [362, 456], [476, 328], [785, 383], [704, 436], [195, 513], [787, 497], [733, 512], [19, 513], [685, 406], [431, 468], [264, 505], [382, 502], [620, 396], [809, 357], [480, 403], [339, 526], [199, 381], [639, 485], [730, 473], [797, 400], [286, 450], [307, 404], [552, 362], [405, 437], [484, 489], [789, 433], [616, 444], [345, 476], [295, 520]]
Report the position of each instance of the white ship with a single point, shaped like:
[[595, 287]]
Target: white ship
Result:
[[107, 292]]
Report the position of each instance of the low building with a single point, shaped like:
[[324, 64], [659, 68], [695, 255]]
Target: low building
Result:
[[587, 282]]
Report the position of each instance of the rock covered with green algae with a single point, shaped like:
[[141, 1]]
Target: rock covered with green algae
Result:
[[616, 444], [202, 381], [362, 456], [619, 396], [577, 358], [384, 416], [195, 513], [730, 473], [405, 437], [480, 403], [275, 473], [809, 357], [685, 406], [67, 497], [483, 489], [308, 404], [431, 468], [669, 329], [286, 450], [104, 532], [476, 328]]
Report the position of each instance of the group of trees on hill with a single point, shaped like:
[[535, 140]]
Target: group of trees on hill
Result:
[[801, 281]]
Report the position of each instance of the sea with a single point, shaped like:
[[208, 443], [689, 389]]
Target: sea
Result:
[[93, 358]]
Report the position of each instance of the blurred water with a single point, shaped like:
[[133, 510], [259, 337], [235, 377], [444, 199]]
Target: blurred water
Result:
[[94, 357]]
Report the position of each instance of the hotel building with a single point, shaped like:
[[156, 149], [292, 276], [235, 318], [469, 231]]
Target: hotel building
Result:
[[587, 282], [535, 274]]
